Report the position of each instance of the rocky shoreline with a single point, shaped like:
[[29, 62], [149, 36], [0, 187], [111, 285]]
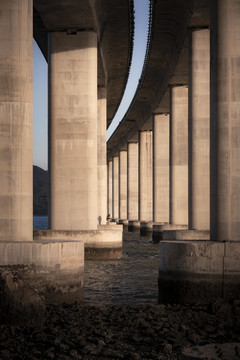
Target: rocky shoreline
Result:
[[161, 332]]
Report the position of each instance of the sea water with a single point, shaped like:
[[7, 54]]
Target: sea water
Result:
[[133, 279]]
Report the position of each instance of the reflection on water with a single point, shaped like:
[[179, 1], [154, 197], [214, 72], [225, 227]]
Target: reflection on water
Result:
[[130, 280]]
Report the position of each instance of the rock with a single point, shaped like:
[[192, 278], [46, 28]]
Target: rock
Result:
[[168, 348], [21, 303], [225, 351]]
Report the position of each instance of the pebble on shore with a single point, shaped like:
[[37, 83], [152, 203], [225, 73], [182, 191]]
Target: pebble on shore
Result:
[[121, 332]]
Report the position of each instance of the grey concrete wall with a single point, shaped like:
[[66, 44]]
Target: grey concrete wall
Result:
[[102, 153], [225, 120], [123, 184], [179, 155], [161, 168], [73, 130], [145, 176], [132, 181], [115, 189], [110, 188], [199, 130], [16, 209]]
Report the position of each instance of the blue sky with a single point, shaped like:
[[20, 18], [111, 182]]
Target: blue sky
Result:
[[40, 86]]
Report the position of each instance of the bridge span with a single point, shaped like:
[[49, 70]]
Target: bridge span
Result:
[[88, 46], [173, 161]]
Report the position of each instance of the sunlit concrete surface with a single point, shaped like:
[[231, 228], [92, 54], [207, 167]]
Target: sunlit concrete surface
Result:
[[16, 121], [104, 242]]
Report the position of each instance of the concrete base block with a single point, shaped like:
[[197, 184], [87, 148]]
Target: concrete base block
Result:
[[133, 225], [123, 222], [146, 228], [157, 233], [103, 243], [198, 271], [37, 273], [186, 235]]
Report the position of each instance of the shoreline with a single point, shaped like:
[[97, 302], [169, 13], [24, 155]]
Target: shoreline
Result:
[[161, 332]]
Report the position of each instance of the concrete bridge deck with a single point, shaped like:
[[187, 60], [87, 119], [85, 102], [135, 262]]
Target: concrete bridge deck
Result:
[[114, 26]]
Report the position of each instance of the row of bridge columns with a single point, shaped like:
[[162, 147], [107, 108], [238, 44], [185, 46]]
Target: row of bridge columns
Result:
[[77, 159], [185, 170], [77, 128]]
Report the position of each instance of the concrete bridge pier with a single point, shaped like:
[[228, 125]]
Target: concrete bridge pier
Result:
[[178, 165], [77, 156], [198, 140], [160, 175], [52, 267], [132, 186], [73, 130], [145, 182], [201, 271], [115, 188], [16, 121], [123, 188], [101, 156], [110, 209]]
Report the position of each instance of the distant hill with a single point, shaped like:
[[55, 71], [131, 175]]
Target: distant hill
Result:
[[40, 191]]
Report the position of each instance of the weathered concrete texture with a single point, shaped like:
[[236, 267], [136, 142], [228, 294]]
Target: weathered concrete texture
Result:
[[73, 130], [115, 189], [16, 120], [145, 176], [179, 155], [101, 154], [158, 230], [99, 244], [123, 185], [225, 120], [199, 130], [186, 235], [52, 269], [161, 168], [52, 254], [110, 189], [198, 271], [132, 181]]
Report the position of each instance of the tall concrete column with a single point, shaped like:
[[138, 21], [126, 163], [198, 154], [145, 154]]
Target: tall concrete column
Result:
[[132, 181], [123, 185], [225, 121], [199, 130], [179, 155], [145, 176], [16, 32], [115, 182], [73, 130], [110, 189], [161, 168], [102, 162]]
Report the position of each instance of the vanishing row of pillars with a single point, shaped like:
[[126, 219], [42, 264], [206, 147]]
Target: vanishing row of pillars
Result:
[[186, 170], [77, 128], [76, 164]]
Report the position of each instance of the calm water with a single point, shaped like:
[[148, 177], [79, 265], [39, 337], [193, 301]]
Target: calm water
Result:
[[130, 280]]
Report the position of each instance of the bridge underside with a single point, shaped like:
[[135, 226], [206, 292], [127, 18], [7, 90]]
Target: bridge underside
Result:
[[88, 46], [180, 177]]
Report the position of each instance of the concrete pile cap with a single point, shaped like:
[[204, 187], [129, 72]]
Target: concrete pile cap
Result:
[[225, 351]]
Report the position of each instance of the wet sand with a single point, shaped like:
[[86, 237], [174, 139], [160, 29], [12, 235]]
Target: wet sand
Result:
[[121, 332]]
